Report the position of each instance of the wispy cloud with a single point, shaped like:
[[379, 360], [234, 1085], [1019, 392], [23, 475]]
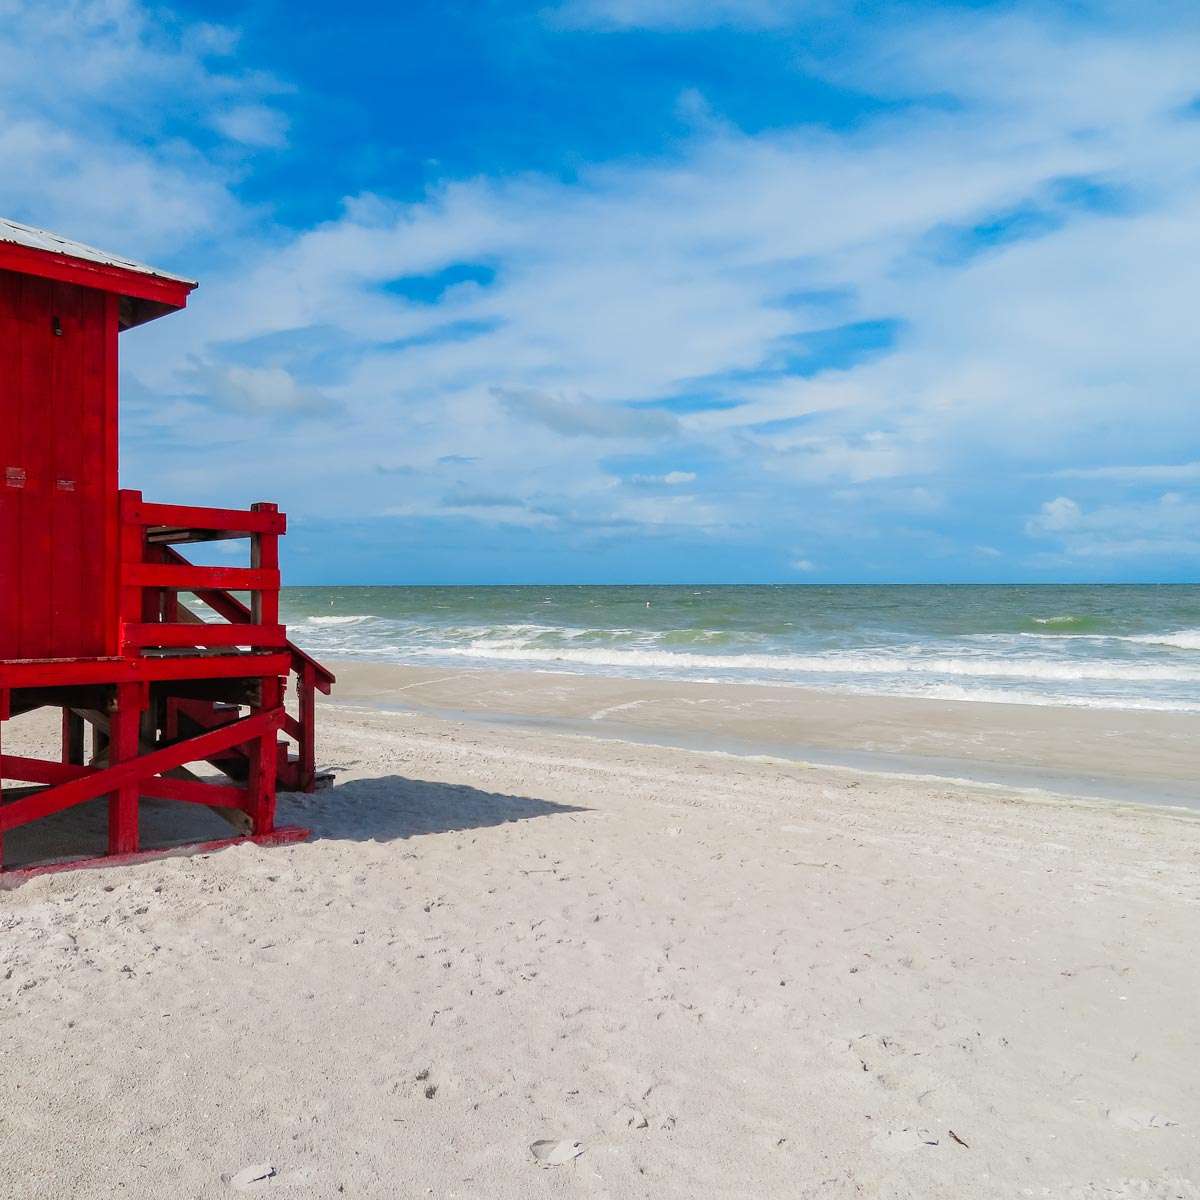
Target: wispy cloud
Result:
[[670, 479], [106, 116], [581, 417], [253, 125], [1149, 473]]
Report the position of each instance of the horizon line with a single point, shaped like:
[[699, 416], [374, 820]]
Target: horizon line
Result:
[[784, 583]]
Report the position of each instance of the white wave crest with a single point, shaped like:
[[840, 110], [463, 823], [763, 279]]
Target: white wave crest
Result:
[[831, 664], [354, 619], [1183, 639]]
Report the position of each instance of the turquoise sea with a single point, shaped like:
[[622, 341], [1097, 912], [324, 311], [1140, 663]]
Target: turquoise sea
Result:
[[1114, 646]]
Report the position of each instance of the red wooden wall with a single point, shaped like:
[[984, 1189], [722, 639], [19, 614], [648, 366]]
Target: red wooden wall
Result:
[[58, 469]]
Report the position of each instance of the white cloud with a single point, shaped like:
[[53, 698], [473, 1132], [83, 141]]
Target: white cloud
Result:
[[253, 125], [1055, 516], [489, 512], [93, 94], [670, 479], [261, 390], [600, 307], [672, 513], [1150, 473], [1168, 527], [581, 417]]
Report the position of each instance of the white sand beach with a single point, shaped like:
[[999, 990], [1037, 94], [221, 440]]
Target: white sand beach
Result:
[[723, 975]]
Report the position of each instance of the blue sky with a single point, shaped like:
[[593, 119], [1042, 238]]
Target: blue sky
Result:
[[647, 290]]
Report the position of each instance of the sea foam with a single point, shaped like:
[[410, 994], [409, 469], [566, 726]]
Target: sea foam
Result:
[[831, 664]]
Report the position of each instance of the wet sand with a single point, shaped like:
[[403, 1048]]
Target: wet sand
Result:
[[1145, 756]]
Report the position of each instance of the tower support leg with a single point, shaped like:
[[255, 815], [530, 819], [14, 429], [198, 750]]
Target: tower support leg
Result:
[[123, 745], [264, 763], [4, 715], [72, 738]]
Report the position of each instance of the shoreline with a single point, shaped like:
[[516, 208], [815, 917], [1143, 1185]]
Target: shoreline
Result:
[[1112, 755]]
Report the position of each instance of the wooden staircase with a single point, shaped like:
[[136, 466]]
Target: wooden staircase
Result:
[[189, 716], [296, 771]]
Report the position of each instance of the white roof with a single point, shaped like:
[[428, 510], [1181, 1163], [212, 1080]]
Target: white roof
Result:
[[43, 239]]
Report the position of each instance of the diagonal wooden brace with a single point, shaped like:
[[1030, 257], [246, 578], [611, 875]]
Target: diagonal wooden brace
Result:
[[136, 771], [193, 791]]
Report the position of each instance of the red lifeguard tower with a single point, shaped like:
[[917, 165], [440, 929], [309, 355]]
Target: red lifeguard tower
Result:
[[90, 580]]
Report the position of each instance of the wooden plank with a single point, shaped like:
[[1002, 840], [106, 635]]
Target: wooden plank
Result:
[[67, 399], [194, 791], [232, 609], [307, 741], [97, 477], [37, 770], [156, 634], [189, 578], [34, 389], [190, 791], [131, 550], [11, 467], [60, 410], [131, 771], [83, 672], [109, 525], [172, 535], [227, 520]]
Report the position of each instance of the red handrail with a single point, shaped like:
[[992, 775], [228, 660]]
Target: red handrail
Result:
[[153, 573]]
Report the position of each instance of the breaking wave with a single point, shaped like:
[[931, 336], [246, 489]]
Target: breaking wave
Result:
[[1110, 647], [1184, 639], [832, 664], [1069, 623]]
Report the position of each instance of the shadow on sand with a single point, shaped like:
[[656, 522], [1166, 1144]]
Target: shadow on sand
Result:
[[381, 810], [393, 806]]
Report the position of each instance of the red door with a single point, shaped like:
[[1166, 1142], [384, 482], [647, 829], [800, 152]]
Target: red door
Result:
[[57, 469]]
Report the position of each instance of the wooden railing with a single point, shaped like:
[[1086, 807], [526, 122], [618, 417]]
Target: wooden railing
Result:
[[153, 575], [154, 621]]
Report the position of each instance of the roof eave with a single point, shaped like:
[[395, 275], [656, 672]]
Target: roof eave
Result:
[[151, 295]]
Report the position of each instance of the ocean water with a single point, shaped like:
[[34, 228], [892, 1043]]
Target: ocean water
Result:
[[1098, 646]]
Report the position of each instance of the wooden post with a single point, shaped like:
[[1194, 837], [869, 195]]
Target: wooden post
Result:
[[264, 762], [306, 690], [264, 554], [5, 713], [72, 737], [123, 745], [131, 551]]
